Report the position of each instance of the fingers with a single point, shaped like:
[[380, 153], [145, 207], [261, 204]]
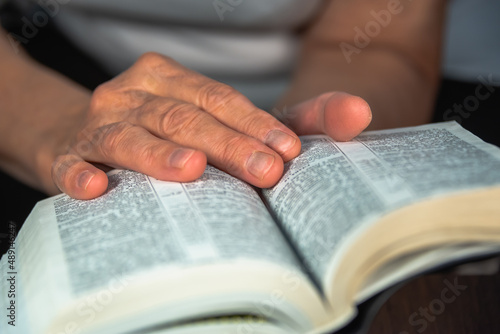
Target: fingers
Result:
[[236, 153], [232, 109], [124, 145], [339, 115], [78, 178], [166, 121]]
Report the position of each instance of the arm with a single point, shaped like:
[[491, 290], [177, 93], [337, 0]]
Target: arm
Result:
[[30, 96], [157, 117], [396, 70]]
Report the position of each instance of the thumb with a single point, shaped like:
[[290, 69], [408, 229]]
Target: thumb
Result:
[[339, 115]]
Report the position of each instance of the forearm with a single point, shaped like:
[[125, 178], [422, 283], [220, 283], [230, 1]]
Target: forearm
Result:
[[396, 71], [30, 96], [396, 91]]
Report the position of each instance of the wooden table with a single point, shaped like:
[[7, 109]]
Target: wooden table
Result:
[[428, 305]]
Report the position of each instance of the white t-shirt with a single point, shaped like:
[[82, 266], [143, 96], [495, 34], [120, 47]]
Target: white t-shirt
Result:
[[250, 45]]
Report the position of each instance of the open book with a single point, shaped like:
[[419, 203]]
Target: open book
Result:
[[346, 221]]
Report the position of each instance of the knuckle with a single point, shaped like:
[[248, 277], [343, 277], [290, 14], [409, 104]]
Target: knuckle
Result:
[[147, 155], [179, 118], [83, 146], [151, 69], [320, 101], [215, 96], [61, 168], [153, 60], [230, 153], [325, 96], [150, 59], [100, 96], [257, 124], [114, 137], [85, 140], [114, 96]]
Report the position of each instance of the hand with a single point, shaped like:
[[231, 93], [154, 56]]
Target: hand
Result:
[[164, 120]]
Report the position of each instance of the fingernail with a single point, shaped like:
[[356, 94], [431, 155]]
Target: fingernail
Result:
[[280, 141], [259, 164], [180, 156], [84, 179]]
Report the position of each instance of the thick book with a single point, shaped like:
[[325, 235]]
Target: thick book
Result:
[[346, 221]]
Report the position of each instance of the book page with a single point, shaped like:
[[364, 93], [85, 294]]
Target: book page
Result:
[[333, 188], [144, 231], [41, 279], [142, 223]]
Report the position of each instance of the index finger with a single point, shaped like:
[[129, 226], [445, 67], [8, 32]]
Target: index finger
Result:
[[224, 103]]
